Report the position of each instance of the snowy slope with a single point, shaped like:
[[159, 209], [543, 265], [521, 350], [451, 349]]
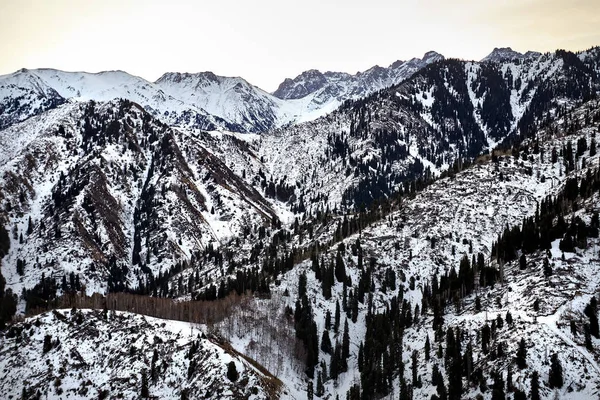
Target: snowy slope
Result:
[[89, 354], [124, 201], [232, 99], [87, 188], [23, 95], [429, 235]]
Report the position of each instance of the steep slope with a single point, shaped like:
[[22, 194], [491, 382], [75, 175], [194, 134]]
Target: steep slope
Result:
[[87, 354], [114, 196], [232, 99], [445, 115], [23, 95], [384, 214], [324, 92], [390, 268]]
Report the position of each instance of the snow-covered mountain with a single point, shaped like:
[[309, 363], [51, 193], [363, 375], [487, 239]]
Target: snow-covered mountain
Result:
[[344, 86], [385, 233], [23, 95], [201, 101], [329, 89], [501, 54], [232, 99], [155, 180], [107, 191], [52, 87]]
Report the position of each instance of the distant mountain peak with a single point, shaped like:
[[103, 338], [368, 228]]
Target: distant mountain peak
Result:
[[177, 77], [307, 82], [432, 56], [501, 54], [338, 84]]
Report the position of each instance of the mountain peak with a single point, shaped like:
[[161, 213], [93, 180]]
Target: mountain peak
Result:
[[500, 54], [177, 77], [307, 82], [432, 56]]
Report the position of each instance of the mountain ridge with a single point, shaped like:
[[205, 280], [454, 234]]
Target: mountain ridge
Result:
[[198, 100]]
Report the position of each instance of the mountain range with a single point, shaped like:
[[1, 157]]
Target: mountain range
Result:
[[388, 213], [202, 100]]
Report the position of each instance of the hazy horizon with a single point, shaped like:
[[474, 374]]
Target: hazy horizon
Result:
[[267, 41]]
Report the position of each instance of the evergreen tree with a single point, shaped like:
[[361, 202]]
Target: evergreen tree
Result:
[[232, 373], [509, 379], [144, 393], [302, 285], [498, 392], [436, 375], [441, 390], [320, 386], [336, 319], [468, 360], [309, 391], [326, 342], [587, 337], [340, 268], [522, 355], [415, 369], [555, 376], [485, 338], [29, 226], [404, 391], [522, 262], [153, 374], [345, 344], [519, 395], [535, 386], [509, 318], [47, 343], [360, 357], [591, 311], [454, 366]]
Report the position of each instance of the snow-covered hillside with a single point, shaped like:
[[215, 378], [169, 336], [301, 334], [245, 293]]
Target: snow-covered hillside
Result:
[[83, 354], [109, 193], [428, 236], [23, 95]]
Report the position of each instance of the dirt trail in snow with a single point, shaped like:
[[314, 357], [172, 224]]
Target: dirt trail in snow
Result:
[[550, 322]]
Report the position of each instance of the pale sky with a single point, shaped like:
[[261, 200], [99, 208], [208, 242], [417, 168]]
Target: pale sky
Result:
[[265, 41]]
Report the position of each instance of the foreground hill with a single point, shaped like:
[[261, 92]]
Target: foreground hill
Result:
[[83, 354]]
